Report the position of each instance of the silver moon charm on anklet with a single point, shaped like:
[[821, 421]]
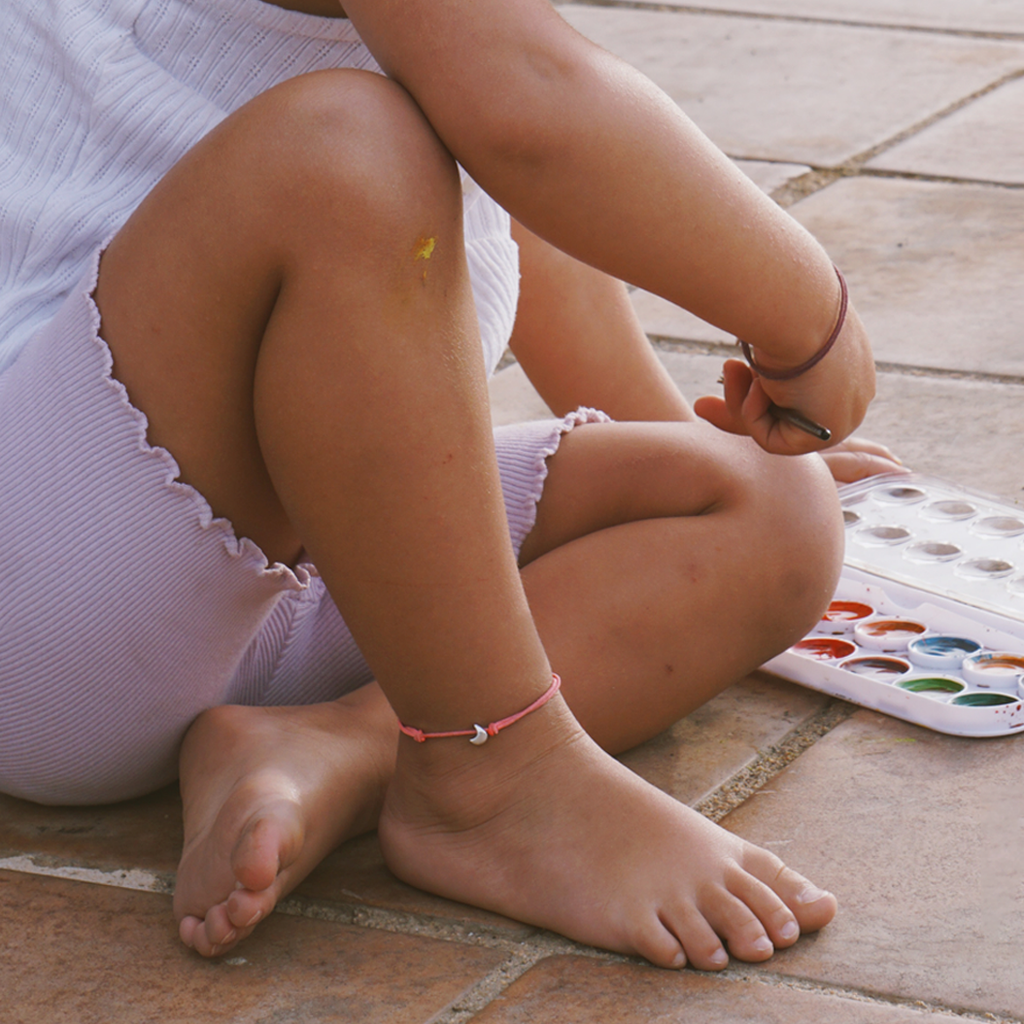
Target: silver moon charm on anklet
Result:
[[481, 735]]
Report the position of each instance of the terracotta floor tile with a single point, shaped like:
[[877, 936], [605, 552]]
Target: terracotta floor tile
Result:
[[665, 320], [757, 87], [770, 176], [981, 140], [935, 269], [513, 398], [144, 833], [575, 990], [73, 953], [703, 750], [919, 835], [962, 430], [970, 15], [355, 875]]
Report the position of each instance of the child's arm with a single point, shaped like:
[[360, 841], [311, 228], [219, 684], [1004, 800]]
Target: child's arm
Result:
[[590, 155], [580, 342]]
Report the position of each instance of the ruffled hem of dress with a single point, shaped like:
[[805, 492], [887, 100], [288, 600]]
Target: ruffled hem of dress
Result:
[[579, 417], [242, 548]]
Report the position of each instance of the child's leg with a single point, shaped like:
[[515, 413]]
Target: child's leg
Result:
[[638, 641], [291, 310], [649, 538]]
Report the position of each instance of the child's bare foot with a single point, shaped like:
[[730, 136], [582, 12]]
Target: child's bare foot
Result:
[[553, 832], [268, 793]]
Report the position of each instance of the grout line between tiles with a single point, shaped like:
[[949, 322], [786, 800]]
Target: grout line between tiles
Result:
[[934, 179], [752, 777], [403, 922], [118, 878], [938, 372], [490, 987], [653, 5], [822, 175], [857, 161]]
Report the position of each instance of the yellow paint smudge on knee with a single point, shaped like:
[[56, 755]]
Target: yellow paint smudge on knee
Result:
[[424, 249]]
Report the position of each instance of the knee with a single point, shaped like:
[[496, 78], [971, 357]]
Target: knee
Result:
[[797, 522], [349, 151]]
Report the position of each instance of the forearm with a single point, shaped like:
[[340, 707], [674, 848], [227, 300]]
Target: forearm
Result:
[[592, 157]]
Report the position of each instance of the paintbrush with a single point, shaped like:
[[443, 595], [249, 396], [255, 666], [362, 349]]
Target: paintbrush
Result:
[[798, 419], [801, 422]]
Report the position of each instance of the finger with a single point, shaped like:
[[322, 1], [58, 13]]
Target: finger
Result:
[[847, 467], [727, 413], [737, 382], [715, 411], [862, 444], [772, 433]]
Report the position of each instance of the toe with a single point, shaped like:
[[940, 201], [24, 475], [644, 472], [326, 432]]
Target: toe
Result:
[[812, 907], [739, 927], [215, 934], [267, 844], [186, 930], [246, 908], [657, 942], [704, 949], [778, 921]]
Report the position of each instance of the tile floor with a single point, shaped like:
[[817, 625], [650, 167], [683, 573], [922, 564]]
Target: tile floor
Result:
[[891, 130]]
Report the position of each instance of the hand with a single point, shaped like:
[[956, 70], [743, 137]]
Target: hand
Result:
[[857, 458], [835, 393]]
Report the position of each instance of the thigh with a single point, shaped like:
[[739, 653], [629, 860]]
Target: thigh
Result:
[[616, 473]]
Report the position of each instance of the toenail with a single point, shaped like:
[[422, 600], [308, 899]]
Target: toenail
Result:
[[679, 960], [811, 894], [719, 958], [255, 917], [790, 930], [764, 945]]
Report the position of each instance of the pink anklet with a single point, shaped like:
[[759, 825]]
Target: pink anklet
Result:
[[479, 733], [817, 357]]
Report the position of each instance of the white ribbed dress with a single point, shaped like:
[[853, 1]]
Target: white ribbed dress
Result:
[[125, 607]]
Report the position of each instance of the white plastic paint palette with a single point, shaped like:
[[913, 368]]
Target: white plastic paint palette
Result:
[[927, 623], [939, 537]]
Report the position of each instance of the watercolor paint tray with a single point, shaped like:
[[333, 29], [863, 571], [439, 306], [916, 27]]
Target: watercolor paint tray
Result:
[[927, 623]]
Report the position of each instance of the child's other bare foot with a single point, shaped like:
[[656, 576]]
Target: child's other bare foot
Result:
[[268, 793], [551, 831]]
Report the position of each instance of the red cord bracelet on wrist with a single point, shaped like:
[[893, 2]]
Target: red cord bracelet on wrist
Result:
[[480, 733], [818, 356]]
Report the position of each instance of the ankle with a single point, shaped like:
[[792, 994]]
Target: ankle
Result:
[[454, 777]]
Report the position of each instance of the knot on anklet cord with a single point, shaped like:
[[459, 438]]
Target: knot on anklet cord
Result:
[[479, 733], [818, 356]]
